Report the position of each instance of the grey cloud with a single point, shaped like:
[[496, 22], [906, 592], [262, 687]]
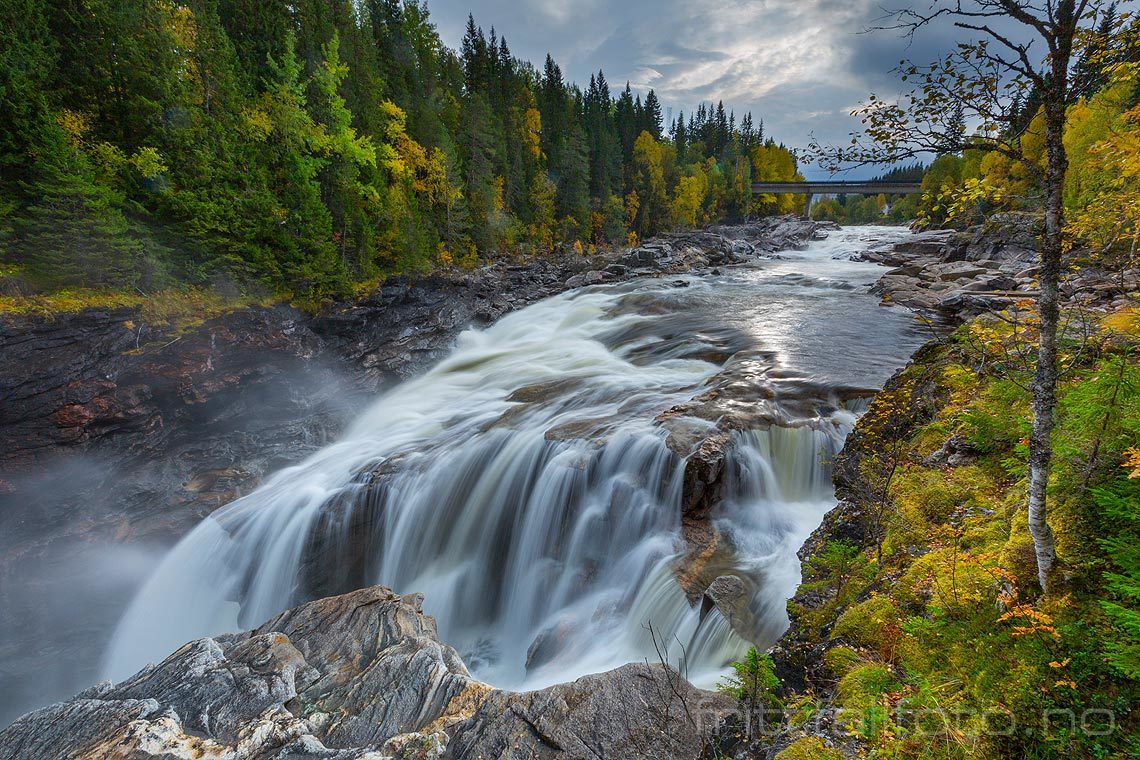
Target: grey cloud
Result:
[[801, 65]]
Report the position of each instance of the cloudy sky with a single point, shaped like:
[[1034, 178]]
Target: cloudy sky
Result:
[[801, 65]]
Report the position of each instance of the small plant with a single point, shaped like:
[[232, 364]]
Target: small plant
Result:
[[754, 686], [836, 563]]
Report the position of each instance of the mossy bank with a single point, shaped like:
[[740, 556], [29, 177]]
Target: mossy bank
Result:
[[919, 629]]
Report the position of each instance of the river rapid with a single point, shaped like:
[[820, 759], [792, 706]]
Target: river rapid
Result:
[[525, 485]]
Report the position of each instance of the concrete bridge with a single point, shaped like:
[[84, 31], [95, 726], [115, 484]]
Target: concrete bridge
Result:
[[809, 189]]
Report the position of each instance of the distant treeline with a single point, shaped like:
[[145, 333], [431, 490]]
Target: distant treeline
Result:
[[303, 147]]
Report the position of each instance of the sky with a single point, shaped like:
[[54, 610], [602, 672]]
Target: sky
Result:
[[800, 65]]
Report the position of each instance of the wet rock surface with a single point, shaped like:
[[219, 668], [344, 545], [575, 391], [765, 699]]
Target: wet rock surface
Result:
[[751, 392], [362, 675], [854, 521], [729, 595], [953, 276]]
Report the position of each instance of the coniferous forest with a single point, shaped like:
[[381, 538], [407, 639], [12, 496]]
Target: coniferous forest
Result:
[[301, 148]]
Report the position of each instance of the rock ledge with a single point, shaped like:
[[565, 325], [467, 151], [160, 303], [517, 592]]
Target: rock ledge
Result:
[[362, 675]]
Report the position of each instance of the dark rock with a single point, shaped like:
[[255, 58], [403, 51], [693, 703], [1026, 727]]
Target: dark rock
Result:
[[998, 283], [548, 643], [703, 483], [911, 270], [961, 304], [958, 270], [1008, 237]]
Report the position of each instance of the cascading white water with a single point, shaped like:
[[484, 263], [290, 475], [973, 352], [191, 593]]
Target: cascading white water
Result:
[[523, 486]]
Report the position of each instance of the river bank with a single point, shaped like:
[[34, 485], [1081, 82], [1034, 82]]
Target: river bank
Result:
[[918, 627], [955, 275]]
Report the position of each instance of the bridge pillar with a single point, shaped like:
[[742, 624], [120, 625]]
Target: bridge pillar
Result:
[[807, 205]]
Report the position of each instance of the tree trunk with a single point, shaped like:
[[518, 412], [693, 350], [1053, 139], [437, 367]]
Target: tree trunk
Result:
[[1044, 401]]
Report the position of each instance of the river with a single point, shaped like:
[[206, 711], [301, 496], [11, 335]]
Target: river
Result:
[[525, 487]]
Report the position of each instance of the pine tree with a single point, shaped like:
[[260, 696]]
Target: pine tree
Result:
[[347, 156], [118, 61], [27, 61], [625, 119], [478, 156], [602, 136], [680, 135], [257, 29], [573, 171], [304, 234], [1123, 607], [1090, 73], [719, 131], [476, 57], [75, 234], [653, 115]]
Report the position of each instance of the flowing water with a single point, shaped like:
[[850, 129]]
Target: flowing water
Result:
[[525, 487]]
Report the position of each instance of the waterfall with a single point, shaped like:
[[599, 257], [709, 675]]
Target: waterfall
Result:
[[525, 488]]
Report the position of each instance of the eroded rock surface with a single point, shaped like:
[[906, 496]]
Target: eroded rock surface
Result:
[[750, 393], [958, 275], [365, 676]]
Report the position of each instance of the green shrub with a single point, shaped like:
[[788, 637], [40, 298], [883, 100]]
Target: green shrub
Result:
[[754, 683]]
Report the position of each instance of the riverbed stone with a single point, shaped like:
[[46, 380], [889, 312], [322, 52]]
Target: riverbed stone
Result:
[[729, 595], [953, 276]]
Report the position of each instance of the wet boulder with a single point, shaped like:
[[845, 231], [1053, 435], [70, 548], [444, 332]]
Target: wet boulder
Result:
[[703, 479], [549, 642], [729, 595]]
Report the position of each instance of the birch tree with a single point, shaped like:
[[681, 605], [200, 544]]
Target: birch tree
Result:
[[968, 99]]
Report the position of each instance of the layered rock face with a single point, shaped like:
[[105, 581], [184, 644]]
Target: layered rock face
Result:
[[957, 275], [362, 675]]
